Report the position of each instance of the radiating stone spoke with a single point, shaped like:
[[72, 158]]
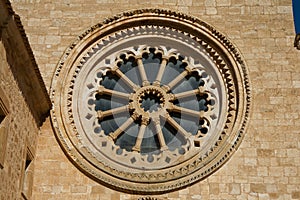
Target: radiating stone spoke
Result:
[[114, 135], [181, 130], [161, 71], [103, 90], [121, 75], [186, 111], [200, 90], [154, 101], [144, 123], [160, 135], [185, 94], [142, 72], [175, 81], [106, 113], [137, 146]]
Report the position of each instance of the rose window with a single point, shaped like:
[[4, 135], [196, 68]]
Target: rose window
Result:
[[150, 101]]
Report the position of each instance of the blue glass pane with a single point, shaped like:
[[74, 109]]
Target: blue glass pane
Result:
[[129, 68], [172, 138], [202, 102], [183, 86], [109, 81], [151, 57], [111, 123], [189, 83], [134, 76], [173, 69], [151, 103], [190, 103], [151, 64], [150, 143], [170, 74], [197, 103], [188, 123], [108, 125], [102, 103], [128, 138], [178, 65], [105, 102], [128, 65], [113, 82]]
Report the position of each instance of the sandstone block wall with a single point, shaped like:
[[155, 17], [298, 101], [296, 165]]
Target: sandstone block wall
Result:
[[266, 165], [21, 135], [23, 107]]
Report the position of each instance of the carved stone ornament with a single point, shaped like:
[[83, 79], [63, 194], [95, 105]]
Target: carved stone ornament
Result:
[[150, 101]]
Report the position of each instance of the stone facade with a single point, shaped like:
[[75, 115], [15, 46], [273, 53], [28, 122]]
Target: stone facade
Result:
[[24, 104], [266, 165]]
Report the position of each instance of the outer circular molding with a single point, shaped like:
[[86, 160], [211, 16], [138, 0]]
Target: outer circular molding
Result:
[[150, 101]]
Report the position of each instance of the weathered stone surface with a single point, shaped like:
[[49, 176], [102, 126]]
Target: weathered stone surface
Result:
[[24, 104], [266, 164]]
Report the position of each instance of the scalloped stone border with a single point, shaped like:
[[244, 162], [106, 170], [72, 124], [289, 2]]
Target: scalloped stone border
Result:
[[224, 54]]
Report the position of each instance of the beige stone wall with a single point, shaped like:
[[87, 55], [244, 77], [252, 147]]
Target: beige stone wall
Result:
[[21, 130], [267, 164]]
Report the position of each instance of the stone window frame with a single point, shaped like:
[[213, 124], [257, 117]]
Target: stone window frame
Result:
[[26, 181], [223, 53], [135, 114], [4, 121]]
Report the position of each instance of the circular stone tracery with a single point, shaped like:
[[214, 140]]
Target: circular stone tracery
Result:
[[150, 109], [155, 106], [151, 100]]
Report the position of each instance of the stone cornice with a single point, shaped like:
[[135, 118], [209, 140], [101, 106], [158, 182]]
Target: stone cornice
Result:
[[22, 62]]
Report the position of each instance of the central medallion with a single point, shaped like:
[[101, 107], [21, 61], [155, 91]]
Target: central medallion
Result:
[[151, 99]]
